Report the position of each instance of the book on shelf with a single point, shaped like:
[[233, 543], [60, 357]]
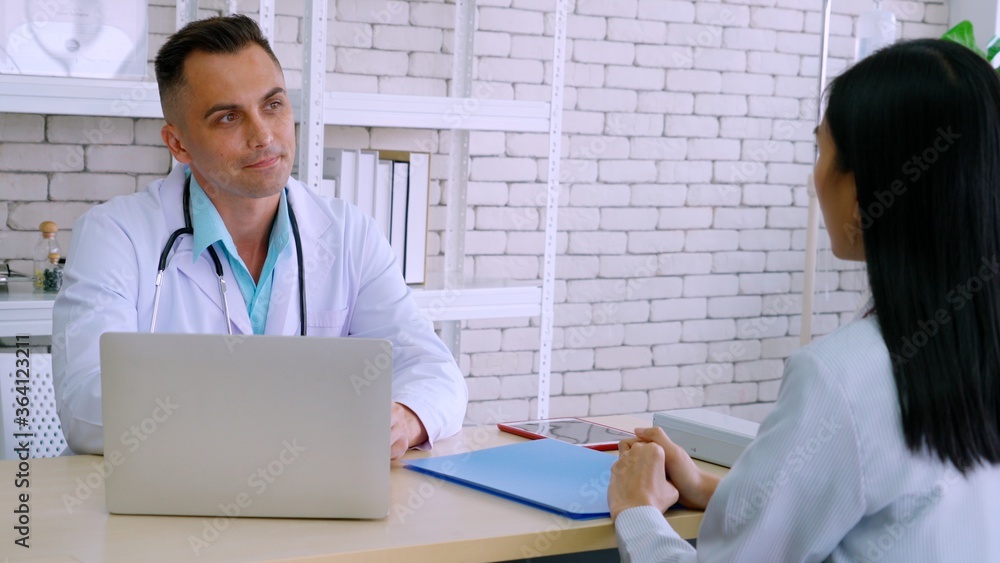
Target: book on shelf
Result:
[[416, 218], [397, 214], [413, 220], [364, 193], [392, 187], [341, 165], [328, 187], [383, 196]]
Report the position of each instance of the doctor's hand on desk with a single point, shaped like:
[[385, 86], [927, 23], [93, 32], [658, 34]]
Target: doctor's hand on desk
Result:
[[694, 485], [405, 431]]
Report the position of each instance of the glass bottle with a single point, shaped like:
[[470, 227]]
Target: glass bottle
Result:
[[876, 29], [52, 276], [47, 245]]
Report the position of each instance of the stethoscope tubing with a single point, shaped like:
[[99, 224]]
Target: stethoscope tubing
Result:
[[187, 229]]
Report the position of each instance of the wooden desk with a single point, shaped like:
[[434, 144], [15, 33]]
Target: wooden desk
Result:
[[429, 520]]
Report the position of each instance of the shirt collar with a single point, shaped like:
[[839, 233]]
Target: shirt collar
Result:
[[210, 229], [282, 226], [866, 310]]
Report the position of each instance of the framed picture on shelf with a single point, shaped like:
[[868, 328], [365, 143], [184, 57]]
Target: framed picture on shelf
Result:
[[77, 38]]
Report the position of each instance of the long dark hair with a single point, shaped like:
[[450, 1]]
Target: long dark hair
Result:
[[918, 124]]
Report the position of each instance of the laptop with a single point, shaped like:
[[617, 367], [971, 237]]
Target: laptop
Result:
[[266, 426]]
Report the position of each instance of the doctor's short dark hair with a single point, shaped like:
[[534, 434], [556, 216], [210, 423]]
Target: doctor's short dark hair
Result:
[[220, 35], [918, 123]]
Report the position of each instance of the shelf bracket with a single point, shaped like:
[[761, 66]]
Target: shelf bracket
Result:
[[313, 85], [812, 228], [266, 15], [552, 209], [187, 12], [458, 165]]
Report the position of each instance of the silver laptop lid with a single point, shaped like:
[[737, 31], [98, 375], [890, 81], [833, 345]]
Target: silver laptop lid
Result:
[[279, 426]]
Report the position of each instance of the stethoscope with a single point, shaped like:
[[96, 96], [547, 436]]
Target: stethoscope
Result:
[[187, 229]]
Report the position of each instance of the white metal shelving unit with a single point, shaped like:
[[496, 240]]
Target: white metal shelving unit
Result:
[[427, 112], [459, 113], [450, 299], [137, 98], [79, 96]]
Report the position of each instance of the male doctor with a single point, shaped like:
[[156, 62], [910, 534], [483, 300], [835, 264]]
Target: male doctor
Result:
[[229, 123]]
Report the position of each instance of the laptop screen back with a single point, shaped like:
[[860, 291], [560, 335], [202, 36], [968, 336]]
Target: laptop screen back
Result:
[[218, 425]]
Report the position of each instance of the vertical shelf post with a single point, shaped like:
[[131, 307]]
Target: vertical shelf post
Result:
[[187, 12], [266, 15], [311, 122], [458, 165], [552, 209], [812, 224]]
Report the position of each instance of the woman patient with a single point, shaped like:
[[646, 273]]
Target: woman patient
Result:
[[884, 444]]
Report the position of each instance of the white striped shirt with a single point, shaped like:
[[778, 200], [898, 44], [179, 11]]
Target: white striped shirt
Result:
[[829, 478]]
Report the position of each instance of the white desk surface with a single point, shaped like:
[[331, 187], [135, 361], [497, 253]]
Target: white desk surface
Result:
[[429, 520], [25, 310]]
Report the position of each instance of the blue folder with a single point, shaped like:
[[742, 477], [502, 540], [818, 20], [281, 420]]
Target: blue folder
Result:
[[569, 480]]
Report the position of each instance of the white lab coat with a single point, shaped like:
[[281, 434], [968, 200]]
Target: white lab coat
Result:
[[830, 478], [353, 287]]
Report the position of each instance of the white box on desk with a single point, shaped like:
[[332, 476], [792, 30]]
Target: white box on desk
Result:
[[707, 435]]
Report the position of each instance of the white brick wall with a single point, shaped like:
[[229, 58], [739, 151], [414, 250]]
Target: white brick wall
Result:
[[688, 137]]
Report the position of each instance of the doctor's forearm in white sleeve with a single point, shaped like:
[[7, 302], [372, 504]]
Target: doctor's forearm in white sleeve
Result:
[[98, 296], [425, 376]]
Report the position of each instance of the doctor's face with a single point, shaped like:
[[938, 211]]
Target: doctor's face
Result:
[[234, 125]]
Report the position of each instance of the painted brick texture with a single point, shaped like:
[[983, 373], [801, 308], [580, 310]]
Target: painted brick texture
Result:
[[687, 140]]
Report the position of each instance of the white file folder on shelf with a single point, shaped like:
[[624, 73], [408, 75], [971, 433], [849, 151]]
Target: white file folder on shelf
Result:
[[365, 191], [383, 197], [397, 227], [342, 165], [392, 187], [416, 218]]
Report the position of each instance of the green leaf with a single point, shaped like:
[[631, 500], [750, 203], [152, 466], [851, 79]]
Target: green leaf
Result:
[[963, 35], [992, 48]]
